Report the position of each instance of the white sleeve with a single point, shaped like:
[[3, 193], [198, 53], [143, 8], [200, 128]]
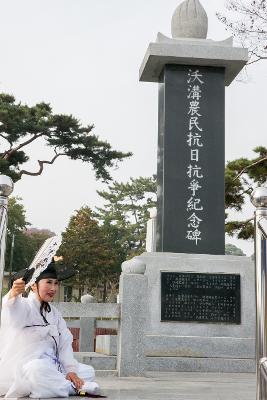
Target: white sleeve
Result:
[[15, 311], [65, 351]]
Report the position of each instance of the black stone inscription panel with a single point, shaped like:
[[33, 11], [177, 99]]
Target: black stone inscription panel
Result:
[[199, 297], [191, 161]]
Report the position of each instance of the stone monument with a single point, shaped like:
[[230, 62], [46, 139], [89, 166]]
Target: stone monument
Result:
[[198, 305], [192, 73]]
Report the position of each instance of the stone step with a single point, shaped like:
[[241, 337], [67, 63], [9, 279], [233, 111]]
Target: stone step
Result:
[[106, 365], [199, 347], [106, 372], [97, 360], [191, 364]]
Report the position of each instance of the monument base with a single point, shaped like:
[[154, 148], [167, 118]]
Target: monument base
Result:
[[194, 345]]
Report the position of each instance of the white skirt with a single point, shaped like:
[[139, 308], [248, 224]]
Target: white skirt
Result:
[[40, 378]]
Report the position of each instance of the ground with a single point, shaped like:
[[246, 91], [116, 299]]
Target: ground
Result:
[[180, 386]]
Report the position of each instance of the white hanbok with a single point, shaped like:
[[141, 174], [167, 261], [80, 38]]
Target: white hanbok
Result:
[[34, 356]]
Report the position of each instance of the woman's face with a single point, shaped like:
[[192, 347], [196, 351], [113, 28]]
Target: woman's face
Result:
[[47, 289]]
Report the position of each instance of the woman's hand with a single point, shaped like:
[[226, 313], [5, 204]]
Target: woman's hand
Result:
[[77, 382], [18, 288]]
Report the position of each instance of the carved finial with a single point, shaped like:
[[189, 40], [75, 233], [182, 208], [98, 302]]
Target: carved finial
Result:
[[133, 266], [87, 298], [190, 20]]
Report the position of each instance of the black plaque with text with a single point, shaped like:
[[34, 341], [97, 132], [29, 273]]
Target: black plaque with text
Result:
[[191, 160], [200, 297]]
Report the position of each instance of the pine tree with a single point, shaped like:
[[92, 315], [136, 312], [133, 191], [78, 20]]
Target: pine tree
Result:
[[21, 125], [126, 212], [86, 247], [241, 177]]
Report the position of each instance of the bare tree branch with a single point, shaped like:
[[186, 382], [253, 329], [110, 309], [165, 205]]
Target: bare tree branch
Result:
[[258, 58], [246, 10], [41, 166], [249, 166], [11, 151], [247, 22], [10, 144], [254, 61], [243, 222], [3, 136]]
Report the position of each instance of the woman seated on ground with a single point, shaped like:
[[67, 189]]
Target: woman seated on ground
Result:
[[36, 356]]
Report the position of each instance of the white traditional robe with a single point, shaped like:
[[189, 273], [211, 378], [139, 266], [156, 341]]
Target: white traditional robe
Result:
[[31, 364]]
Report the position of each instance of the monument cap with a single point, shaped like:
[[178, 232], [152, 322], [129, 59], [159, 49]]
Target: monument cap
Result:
[[189, 20]]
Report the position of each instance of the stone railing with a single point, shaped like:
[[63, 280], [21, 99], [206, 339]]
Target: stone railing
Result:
[[91, 310], [131, 313], [87, 313]]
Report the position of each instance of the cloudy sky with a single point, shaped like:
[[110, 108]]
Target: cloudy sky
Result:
[[83, 57]]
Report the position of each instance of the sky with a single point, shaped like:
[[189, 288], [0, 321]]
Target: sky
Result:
[[83, 57]]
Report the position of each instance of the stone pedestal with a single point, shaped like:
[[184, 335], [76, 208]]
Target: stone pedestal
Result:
[[200, 346]]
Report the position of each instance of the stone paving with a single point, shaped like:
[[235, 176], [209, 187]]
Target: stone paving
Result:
[[180, 386]]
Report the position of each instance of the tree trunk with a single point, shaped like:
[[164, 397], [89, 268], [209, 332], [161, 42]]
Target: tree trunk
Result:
[[104, 292]]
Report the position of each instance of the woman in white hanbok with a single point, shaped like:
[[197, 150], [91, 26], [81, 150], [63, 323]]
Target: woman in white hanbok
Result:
[[36, 356]]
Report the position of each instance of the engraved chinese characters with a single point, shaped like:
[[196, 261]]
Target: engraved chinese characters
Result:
[[195, 143], [191, 160], [200, 297]]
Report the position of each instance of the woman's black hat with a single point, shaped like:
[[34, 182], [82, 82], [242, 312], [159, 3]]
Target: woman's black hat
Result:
[[53, 270]]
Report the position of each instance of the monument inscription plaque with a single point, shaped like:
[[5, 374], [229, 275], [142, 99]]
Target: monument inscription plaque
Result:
[[191, 160], [200, 297]]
